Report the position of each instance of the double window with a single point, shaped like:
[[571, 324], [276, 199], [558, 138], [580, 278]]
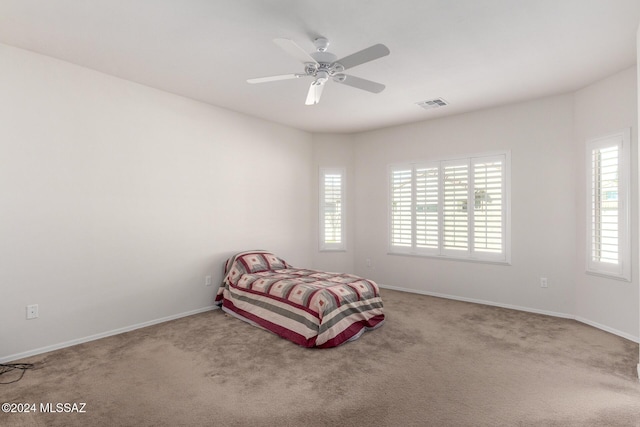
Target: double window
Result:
[[608, 250], [332, 209], [454, 208]]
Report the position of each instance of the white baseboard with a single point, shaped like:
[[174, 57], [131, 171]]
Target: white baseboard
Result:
[[520, 308], [58, 346], [606, 328]]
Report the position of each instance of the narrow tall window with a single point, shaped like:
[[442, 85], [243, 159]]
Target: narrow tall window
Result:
[[332, 209], [451, 208], [607, 205]]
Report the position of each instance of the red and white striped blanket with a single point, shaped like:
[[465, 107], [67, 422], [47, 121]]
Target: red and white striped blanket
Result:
[[309, 307]]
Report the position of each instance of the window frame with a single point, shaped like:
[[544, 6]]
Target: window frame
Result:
[[622, 270], [325, 246], [441, 252]]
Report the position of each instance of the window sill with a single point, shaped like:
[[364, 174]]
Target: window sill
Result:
[[449, 258], [606, 275]]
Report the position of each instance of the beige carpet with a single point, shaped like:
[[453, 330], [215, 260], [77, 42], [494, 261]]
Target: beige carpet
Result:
[[435, 362]]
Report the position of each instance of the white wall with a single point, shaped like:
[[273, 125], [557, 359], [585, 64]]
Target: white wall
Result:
[[539, 135], [117, 200], [602, 108], [546, 139], [331, 150]]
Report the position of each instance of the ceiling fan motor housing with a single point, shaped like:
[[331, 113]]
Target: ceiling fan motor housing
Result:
[[324, 57], [325, 67]]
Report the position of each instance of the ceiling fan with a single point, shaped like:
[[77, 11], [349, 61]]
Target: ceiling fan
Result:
[[323, 65]]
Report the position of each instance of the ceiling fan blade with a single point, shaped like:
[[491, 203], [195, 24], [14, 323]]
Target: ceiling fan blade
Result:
[[314, 94], [274, 78], [294, 50], [365, 55], [360, 83]]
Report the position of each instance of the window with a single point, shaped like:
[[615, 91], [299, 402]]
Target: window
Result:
[[451, 208], [607, 205], [332, 209]]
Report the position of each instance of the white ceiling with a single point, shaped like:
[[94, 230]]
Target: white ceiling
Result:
[[473, 53]]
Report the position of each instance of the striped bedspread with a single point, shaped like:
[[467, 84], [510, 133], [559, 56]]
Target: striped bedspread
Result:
[[309, 307]]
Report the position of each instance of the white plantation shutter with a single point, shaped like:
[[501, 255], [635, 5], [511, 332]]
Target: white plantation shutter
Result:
[[456, 214], [451, 208], [607, 208], [488, 204], [332, 209], [401, 207], [427, 207]]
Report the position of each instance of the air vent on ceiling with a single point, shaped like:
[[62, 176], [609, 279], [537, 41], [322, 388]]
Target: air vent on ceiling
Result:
[[432, 103]]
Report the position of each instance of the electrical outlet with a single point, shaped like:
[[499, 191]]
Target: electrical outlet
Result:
[[32, 311], [544, 282], [207, 281], [368, 262]]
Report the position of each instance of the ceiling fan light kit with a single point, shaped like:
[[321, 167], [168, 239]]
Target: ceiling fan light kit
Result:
[[323, 65]]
